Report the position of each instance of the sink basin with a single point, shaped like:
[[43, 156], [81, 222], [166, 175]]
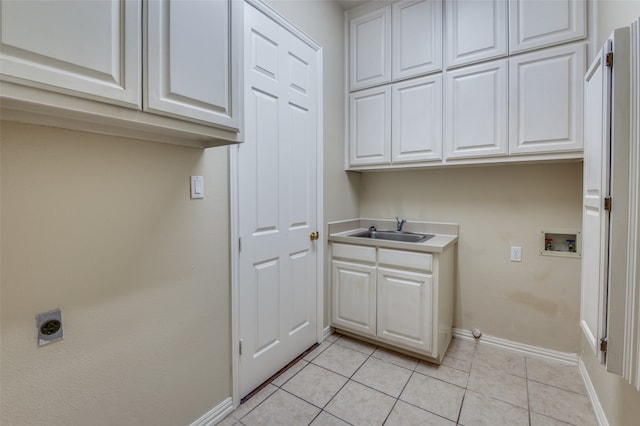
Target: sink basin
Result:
[[406, 237]]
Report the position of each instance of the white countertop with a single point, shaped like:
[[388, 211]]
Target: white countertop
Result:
[[445, 234]]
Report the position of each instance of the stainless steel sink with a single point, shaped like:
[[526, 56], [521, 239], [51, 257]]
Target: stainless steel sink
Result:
[[406, 237]]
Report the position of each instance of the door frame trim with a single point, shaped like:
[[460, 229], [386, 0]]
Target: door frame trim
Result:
[[234, 205]]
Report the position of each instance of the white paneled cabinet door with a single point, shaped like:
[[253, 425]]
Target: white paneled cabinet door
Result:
[[546, 100], [417, 120], [192, 69], [475, 30], [277, 194], [354, 296], [417, 38], [370, 126], [89, 49], [595, 219], [370, 49], [476, 111], [539, 23], [405, 309]]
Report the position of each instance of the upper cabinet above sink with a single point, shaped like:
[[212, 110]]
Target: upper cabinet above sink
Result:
[[162, 70], [454, 82], [394, 42]]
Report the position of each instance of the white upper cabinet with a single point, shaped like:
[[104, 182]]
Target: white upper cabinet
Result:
[[539, 23], [476, 111], [475, 30], [89, 49], [416, 123], [370, 126], [417, 38], [370, 49], [546, 100], [191, 61], [471, 81], [162, 70]]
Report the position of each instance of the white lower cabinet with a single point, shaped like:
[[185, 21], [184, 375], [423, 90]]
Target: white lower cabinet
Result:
[[405, 308], [398, 298], [354, 297]]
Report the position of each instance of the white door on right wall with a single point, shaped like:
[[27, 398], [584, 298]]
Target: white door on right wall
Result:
[[608, 309], [595, 219]]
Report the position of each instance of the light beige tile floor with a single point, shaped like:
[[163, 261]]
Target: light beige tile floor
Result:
[[348, 382]]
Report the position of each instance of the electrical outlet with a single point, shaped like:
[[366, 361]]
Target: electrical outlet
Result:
[[49, 326], [516, 254]]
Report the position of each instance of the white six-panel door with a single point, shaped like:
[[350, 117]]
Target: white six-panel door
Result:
[[277, 200]]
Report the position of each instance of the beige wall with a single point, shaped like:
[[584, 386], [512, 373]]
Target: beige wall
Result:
[[104, 229], [614, 14], [534, 302], [323, 21], [620, 401]]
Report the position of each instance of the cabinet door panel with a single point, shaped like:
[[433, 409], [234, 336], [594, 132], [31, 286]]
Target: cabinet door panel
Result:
[[370, 49], [539, 23], [192, 68], [405, 308], [417, 120], [370, 126], [476, 111], [545, 100], [354, 296], [475, 30], [84, 48], [417, 38]]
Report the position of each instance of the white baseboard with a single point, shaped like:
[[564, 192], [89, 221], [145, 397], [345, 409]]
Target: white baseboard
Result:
[[328, 331], [216, 414], [593, 396], [529, 350]]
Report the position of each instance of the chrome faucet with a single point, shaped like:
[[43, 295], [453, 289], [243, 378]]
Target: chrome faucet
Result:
[[400, 224]]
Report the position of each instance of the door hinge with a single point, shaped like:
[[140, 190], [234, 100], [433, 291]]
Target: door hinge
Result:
[[603, 344], [607, 203], [240, 347], [610, 59], [239, 244]]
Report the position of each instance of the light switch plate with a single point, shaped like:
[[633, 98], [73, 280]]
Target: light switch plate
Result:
[[516, 254], [197, 187]]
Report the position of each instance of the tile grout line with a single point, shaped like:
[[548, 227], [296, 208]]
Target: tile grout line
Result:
[[473, 363], [345, 383]]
